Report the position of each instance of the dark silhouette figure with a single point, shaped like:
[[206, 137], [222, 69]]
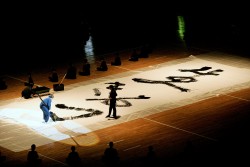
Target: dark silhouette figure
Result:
[[54, 76], [30, 82], [2, 158], [189, 150], [134, 56], [85, 68], [117, 61], [112, 101], [111, 156], [71, 72], [151, 156], [103, 66], [2, 84], [73, 158], [27, 91], [144, 52], [33, 157]]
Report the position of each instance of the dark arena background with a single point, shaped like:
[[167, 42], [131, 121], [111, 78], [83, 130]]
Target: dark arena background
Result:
[[187, 97]]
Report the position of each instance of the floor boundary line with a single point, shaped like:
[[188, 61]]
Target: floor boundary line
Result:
[[181, 129], [235, 97], [53, 159]]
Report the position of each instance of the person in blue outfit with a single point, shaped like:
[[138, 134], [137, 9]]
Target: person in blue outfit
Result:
[[45, 106]]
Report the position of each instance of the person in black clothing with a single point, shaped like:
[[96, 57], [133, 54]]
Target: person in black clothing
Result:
[[144, 52], [134, 56], [112, 101], [117, 61], [33, 157], [71, 72], [2, 157], [110, 156], [2, 84], [54, 76], [30, 82], [27, 91], [151, 157], [103, 66], [85, 68], [73, 158]]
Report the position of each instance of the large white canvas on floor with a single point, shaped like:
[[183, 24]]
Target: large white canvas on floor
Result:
[[26, 112]]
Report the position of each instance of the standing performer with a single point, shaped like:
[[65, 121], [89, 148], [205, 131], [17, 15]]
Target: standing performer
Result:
[[112, 101], [30, 82], [117, 61], [54, 76], [103, 66], [85, 68], [45, 106]]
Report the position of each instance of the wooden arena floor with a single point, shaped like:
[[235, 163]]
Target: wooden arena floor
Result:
[[217, 127]]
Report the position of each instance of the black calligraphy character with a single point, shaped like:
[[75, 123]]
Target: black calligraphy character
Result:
[[173, 79], [197, 71]]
